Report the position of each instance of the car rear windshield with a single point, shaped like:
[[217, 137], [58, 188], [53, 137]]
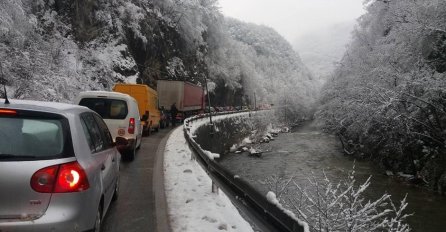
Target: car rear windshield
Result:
[[30, 136], [107, 108]]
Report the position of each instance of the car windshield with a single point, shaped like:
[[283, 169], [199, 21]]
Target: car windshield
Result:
[[31, 138], [107, 108]]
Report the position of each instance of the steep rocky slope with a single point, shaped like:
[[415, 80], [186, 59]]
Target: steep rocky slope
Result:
[[52, 49]]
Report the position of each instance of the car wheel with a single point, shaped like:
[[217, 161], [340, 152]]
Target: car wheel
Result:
[[131, 153], [98, 221], [139, 146], [116, 193], [149, 130], [161, 124], [145, 131]]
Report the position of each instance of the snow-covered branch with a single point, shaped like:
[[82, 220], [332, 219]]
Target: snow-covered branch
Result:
[[326, 206]]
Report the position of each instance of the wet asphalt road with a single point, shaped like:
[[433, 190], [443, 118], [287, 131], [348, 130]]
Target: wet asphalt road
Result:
[[134, 209]]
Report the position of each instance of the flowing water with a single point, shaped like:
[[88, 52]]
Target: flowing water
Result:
[[307, 150]]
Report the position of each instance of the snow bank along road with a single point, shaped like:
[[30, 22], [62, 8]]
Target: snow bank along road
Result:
[[191, 204], [141, 205]]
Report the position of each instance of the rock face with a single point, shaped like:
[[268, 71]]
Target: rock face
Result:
[[86, 27], [153, 40], [226, 133], [64, 47]]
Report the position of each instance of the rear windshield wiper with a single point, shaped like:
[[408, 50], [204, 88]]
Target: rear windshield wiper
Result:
[[18, 157]]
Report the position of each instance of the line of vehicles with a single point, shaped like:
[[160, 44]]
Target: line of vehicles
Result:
[[59, 163], [132, 111]]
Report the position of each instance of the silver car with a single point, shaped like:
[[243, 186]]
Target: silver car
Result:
[[59, 167]]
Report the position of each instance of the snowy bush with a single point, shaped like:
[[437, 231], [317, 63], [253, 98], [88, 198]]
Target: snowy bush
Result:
[[327, 206]]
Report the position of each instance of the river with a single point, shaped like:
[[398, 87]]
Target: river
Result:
[[307, 150]]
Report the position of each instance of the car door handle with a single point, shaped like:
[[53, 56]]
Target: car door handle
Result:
[[103, 167]]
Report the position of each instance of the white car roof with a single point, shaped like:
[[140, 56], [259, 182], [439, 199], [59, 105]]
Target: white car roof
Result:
[[104, 94], [39, 105]]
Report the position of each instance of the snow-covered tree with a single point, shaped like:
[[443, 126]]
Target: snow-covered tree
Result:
[[62, 47], [386, 99], [259, 60]]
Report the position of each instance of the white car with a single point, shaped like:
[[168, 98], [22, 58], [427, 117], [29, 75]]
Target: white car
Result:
[[121, 114]]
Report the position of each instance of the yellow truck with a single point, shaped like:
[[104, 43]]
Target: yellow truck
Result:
[[147, 99]]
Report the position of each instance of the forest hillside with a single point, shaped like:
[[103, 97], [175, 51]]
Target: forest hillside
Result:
[[53, 49], [387, 97]]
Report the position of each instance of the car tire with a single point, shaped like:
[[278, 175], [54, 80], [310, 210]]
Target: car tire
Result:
[[161, 124], [145, 131], [139, 146], [130, 156], [98, 220]]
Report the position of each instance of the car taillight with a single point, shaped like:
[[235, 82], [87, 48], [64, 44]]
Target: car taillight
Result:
[[131, 126], [8, 112], [43, 180], [69, 177]]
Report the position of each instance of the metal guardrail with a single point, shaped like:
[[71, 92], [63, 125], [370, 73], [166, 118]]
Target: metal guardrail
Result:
[[269, 212]]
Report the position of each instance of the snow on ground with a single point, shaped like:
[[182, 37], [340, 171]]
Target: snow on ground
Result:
[[200, 122], [193, 126], [191, 204]]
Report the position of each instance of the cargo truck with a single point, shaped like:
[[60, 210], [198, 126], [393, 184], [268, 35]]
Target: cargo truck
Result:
[[147, 99], [189, 98]]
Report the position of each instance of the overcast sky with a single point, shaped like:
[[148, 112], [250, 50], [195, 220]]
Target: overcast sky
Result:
[[293, 18]]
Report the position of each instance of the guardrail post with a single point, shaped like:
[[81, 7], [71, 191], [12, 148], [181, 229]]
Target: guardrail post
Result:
[[212, 130], [214, 187]]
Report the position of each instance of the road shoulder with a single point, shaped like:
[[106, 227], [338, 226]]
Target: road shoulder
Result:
[[162, 216]]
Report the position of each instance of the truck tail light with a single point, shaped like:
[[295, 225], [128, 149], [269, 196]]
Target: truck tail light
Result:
[[131, 129], [64, 178]]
